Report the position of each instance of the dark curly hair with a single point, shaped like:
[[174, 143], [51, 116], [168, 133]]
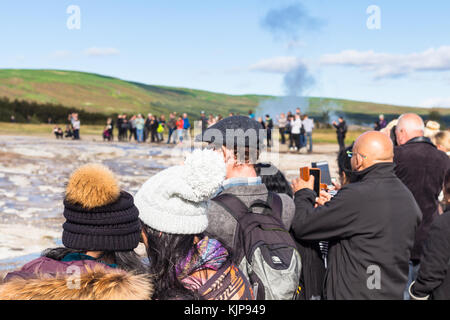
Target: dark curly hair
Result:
[[276, 182], [345, 165], [165, 251]]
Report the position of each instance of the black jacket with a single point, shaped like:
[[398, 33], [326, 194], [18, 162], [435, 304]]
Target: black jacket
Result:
[[147, 124], [434, 274], [422, 167], [153, 126], [371, 224], [341, 128]]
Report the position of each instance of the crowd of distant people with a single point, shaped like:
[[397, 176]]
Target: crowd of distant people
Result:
[[297, 127], [294, 129], [72, 130], [151, 128]]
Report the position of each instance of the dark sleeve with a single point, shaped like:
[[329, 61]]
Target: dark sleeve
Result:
[[446, 161], [335, 220], [434, 265]]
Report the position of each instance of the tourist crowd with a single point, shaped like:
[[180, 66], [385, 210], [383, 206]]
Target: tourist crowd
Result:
[[222, 226]]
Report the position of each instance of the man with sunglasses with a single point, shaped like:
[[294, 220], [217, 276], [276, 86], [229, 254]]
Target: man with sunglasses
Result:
[[370, 224]]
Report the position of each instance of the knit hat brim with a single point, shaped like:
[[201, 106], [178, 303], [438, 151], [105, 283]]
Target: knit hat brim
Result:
[[90, 242], [175, 224]]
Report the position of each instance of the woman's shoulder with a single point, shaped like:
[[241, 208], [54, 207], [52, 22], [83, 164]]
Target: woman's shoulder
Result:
[[52, 267]]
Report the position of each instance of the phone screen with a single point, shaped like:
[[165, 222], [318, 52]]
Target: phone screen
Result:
[[317, 176], [325, 171]]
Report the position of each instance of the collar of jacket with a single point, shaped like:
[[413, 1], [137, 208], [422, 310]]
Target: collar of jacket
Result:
[[80, 256], [421, 139], [378, 170], [241, 181]]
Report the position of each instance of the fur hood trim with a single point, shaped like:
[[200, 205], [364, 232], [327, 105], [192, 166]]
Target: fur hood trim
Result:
[[95, 284]]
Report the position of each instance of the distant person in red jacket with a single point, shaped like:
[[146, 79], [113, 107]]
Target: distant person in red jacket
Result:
[[180, 128]]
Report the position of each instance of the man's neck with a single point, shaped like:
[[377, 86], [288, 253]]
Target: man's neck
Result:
[[414, 136], [374, 162], [244, 171]]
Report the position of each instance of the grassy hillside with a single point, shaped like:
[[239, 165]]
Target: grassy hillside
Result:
[[102, 94], [97, 93], [362, 107]]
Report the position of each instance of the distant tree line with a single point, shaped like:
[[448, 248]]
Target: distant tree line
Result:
[[34, 112]]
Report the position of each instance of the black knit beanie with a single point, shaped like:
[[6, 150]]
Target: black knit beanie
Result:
[[113, 227], [99, 217]]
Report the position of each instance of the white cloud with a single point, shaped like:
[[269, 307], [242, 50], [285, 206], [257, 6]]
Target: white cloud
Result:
[[277, 64], [20, 58], [436, 102], [386, 65], [100, 52], [61, 54]]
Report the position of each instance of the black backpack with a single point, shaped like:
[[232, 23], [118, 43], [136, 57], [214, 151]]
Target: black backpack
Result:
[[264, 251]]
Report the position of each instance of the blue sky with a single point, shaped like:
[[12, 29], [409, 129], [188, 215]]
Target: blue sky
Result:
[[223, 46]]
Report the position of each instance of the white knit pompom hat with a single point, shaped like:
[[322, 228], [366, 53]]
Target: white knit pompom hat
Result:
[[174, 200]]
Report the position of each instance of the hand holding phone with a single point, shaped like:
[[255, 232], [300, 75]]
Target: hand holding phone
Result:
[[309, 179], [305, 181], [323, 198], [313, 184]]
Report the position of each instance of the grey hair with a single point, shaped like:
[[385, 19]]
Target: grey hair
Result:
[[410, 125]]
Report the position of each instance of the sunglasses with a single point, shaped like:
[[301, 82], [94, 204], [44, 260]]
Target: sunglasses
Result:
[[350, 154]]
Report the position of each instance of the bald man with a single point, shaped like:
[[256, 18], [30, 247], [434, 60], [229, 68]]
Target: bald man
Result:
[[422, 168], [370, 224]]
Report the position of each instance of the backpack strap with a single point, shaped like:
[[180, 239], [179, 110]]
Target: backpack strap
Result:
[[260, 204], [238, 209], [275, 202], [232, 204]]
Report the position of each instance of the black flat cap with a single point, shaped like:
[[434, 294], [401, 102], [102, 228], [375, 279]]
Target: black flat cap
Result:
[[234, 131]]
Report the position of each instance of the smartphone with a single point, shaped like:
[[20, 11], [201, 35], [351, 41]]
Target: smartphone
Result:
[[325, 171], [306, 172]]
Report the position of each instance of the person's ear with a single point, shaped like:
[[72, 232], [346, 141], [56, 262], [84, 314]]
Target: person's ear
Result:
[[228, 155], [359, 160], [399, 136]]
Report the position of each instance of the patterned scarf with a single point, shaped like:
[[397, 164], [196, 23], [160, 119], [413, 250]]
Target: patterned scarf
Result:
[[210, 255]]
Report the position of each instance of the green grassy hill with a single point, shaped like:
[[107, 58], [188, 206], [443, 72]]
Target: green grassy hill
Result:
[[107, 95], [97, 93]]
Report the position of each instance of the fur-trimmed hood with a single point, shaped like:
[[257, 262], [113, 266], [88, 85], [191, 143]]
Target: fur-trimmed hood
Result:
[[98, 283]]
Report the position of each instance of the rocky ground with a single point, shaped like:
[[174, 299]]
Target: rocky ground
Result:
[[34, 170]]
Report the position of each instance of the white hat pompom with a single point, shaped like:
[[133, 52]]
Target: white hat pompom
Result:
[[204, 171], [174, 200]]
